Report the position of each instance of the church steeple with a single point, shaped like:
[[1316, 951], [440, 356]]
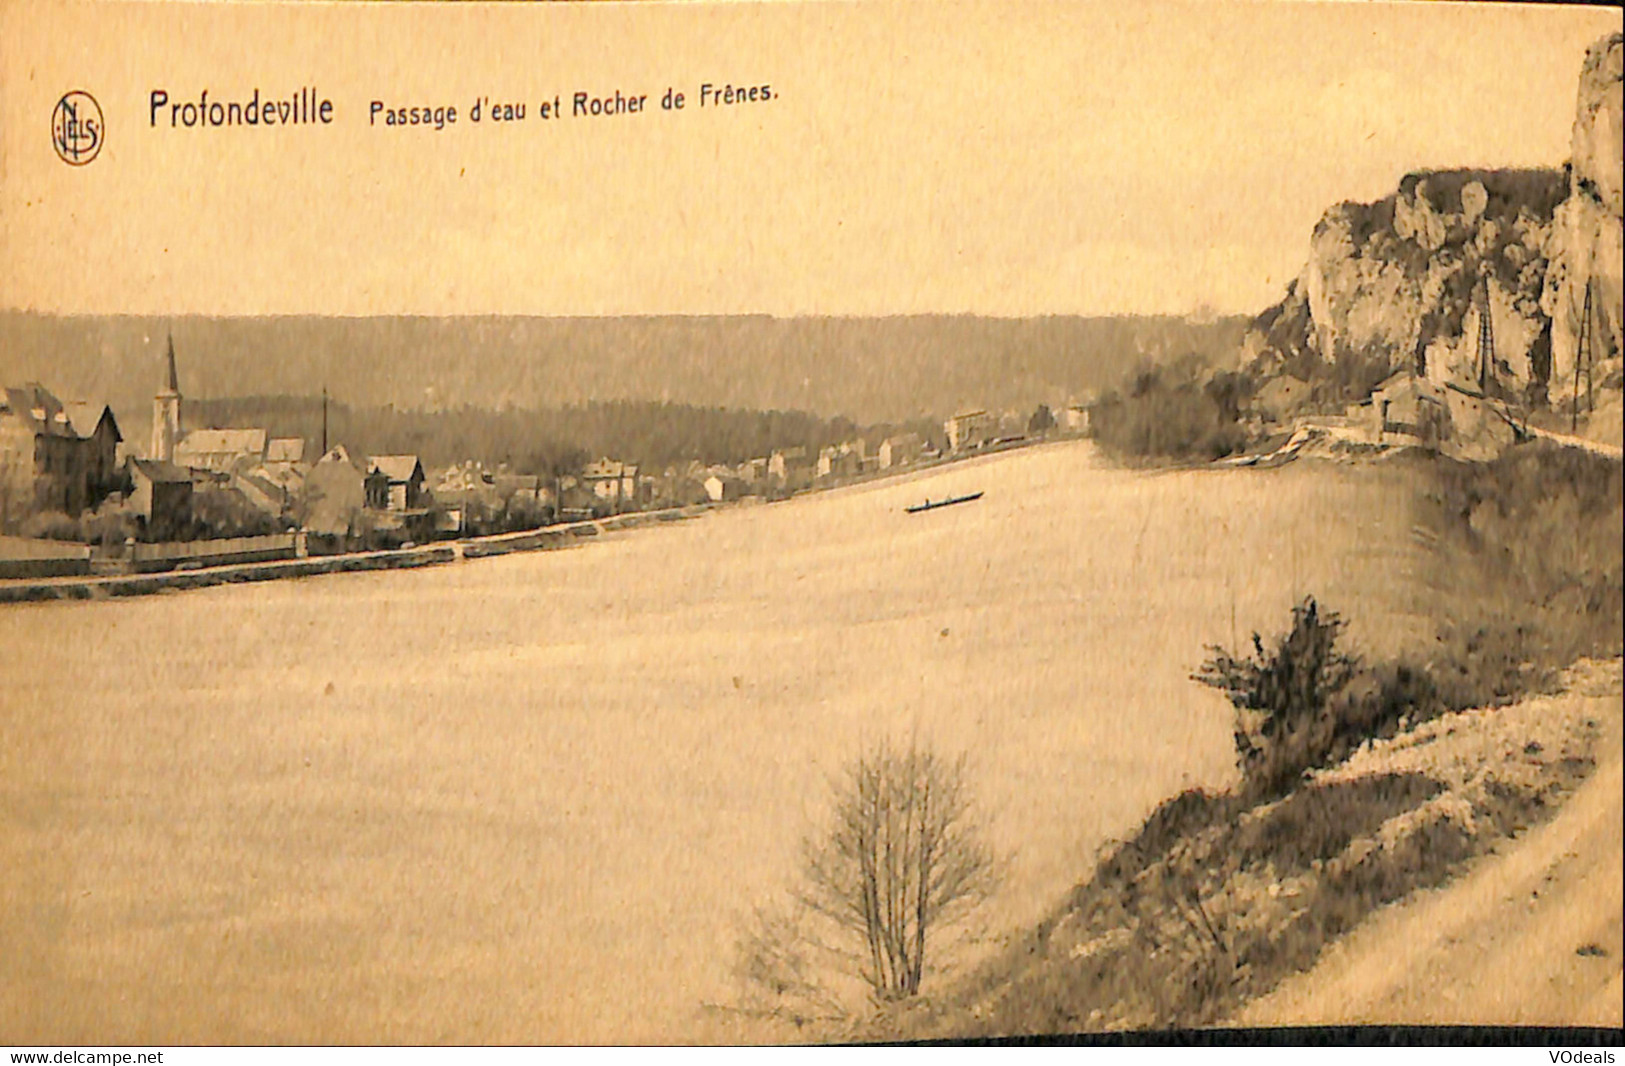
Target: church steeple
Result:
[[166, 411], [171, 383]]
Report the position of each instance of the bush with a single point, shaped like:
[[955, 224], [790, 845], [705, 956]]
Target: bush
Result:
[[224, 512], [1306, 705], [110, 526], [1171, 413], [1284, 698], [52, 525]]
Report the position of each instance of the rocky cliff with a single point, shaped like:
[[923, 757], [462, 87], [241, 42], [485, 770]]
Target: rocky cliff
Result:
[[1404, 282], [1587, 237]]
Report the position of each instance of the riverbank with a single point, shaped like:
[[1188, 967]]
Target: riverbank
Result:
[[550, 538], [76, 585], [1530, 933], [1203, 917]]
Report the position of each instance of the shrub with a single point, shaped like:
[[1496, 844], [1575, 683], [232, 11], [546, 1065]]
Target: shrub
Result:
[[223, 512], [1284, 698], [51, 525], [1170, 413], [110, 526]]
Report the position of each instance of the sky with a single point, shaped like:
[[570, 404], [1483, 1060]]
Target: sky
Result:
[[1002, 159]]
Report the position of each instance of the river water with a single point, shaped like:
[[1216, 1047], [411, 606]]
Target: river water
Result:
[[531, 799]]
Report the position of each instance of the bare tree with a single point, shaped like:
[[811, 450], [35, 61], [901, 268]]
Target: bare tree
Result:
[[902, 858]]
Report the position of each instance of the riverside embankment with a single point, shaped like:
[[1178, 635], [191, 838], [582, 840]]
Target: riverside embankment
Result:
[[46, 558], [545, 539]]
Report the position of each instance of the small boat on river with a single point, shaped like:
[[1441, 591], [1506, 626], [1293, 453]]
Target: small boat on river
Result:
[[932, 505]]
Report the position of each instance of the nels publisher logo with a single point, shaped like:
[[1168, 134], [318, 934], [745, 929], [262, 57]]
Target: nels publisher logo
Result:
[[77, 129]]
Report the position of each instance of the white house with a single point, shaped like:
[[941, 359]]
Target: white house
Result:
[[1075, 418], [722, 487], [611, 480], [970, 429]]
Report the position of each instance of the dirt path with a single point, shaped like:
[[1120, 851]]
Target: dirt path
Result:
[[1530, 935], [1596, 447]]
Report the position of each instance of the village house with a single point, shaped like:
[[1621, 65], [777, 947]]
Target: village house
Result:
[[970, 429], [49, 461], [93, 423], [285, 451], [466, 498], [273, 485], [1074, 418], [161, 494], [676, 486], [900, 450], [611, 481], [577, 500], [1409, 409], [846, 459], [334, 494], [466, 476], [526, 499], [397, 503], [527, 489], [783, 462], [1443, 416], [394, 483], [723, 486], [221, 450], [826, 461], [289, 477], [265, 495]]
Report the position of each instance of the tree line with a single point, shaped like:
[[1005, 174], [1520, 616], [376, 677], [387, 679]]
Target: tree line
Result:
[[652, 433]]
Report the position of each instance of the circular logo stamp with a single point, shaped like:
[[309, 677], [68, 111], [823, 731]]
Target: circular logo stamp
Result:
[[77, 129]]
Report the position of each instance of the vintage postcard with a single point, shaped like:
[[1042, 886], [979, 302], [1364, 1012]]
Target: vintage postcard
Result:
[[808, 522]]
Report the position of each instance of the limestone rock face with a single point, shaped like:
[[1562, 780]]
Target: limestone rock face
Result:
[[1399, 283], [1588, 234], [1402, 282]]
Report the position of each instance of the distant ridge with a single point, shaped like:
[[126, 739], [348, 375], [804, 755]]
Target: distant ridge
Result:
[[871, 370]]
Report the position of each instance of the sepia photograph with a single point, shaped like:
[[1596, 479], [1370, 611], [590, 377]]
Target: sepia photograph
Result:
[[810, 523]]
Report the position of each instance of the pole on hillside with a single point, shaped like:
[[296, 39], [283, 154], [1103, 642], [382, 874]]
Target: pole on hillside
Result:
[[1582, 351], [1591, 395]]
